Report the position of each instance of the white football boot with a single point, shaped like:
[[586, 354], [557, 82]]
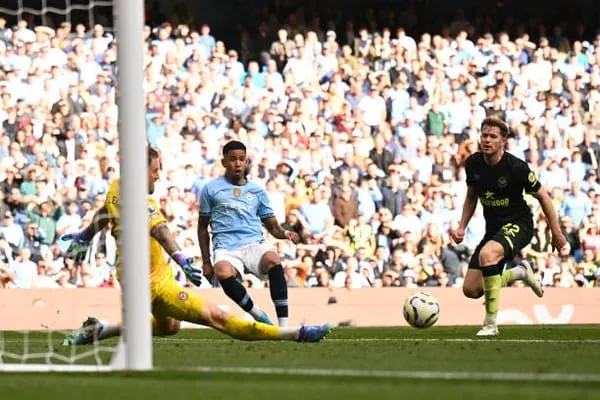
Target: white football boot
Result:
[[489, 328], [530, 279]]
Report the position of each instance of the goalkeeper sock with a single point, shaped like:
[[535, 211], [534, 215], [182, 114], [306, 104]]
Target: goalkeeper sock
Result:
[[245, 330], [279, 295], [238, 293], [492, 282], [108, 330]]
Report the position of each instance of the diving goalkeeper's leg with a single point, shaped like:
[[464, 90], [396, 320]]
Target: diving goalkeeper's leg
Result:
[[91, 331], [184, 305]]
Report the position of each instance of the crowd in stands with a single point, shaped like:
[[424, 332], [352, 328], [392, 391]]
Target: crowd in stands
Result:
[[359, 139]]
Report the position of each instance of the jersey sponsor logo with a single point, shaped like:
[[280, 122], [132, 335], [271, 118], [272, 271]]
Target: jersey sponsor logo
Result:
[[489, 200], [502, 182], [237, 192], [238, 206]]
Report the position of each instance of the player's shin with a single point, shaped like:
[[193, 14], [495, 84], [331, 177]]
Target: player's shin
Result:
[[492, 282], [238, 293], [279, 293]]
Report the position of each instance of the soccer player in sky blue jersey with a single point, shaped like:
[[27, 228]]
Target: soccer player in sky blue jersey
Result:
[[236, 211]]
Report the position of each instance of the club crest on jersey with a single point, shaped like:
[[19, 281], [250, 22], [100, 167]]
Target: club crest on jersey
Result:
[[249, 196], [502, 182], [183, 296], [476, 177], [236, 192]]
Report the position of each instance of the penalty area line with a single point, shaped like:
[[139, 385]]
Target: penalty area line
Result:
[[426, 375]]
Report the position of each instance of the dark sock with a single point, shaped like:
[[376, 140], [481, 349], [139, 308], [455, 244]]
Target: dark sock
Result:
[[237, 292], [278, 288]]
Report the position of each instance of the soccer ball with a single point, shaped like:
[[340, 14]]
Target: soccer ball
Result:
[[421, 310]]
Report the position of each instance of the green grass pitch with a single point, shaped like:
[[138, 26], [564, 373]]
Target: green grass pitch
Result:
[[525, 362]]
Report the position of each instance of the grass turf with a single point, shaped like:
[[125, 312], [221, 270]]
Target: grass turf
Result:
[[385, 354]]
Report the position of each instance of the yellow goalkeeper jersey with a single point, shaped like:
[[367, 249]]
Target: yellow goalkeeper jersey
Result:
[[158, 265]]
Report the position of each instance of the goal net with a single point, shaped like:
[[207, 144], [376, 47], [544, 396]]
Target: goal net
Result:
[[52, 13], [35, 321]]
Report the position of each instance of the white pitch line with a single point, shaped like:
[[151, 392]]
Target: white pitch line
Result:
[[358, 340], [449, 340], [439, 375]]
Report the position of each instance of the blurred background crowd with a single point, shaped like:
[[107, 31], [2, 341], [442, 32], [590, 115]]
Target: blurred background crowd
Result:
[[358, 128]]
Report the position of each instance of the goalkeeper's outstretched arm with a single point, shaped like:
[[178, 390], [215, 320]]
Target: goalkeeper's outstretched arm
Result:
[[161, 233], [99, 222]]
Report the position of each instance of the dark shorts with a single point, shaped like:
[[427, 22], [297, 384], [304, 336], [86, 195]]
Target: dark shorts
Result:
[[513, 237]]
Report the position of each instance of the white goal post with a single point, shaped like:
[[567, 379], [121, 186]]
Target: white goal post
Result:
[[134, 351]]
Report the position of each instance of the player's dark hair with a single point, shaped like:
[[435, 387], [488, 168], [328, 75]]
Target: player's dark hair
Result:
[[152, 154], [497, 122], [233, 145]]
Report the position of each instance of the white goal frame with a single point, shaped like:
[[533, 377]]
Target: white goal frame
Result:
[[134, 351]]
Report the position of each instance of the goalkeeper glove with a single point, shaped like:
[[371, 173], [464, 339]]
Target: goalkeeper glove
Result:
[[189, 269], [78, 248]]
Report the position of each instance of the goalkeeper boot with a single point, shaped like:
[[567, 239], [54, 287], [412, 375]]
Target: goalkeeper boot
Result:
[[87, 334], [314, 333], [489, 328], [530, 279]]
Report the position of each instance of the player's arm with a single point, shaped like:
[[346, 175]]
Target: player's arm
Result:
[[161, 233], [99, 222], [468, 207], [81, 240], [534, 187], [203, 223], [267, 216], [548, 209], [277, 230], [204, 237]]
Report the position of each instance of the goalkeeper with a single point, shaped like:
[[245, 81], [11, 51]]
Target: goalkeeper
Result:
[[170, 302]]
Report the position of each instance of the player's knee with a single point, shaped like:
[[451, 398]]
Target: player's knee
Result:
[[472, 293], [269, 260], [491, 254], [224, 271]]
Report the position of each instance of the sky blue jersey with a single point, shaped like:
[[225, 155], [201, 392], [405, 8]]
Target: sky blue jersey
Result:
[[235, 212]]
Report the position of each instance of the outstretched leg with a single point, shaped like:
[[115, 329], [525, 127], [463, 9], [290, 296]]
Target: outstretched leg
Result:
[[226, 273]]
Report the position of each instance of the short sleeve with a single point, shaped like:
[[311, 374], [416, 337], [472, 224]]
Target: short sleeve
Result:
[[155, 217], [531, 183], [264, 206], [205, 202]]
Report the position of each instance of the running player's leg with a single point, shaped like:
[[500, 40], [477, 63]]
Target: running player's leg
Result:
[[227, 267], [181, 304], [515, 237], [473, 283], [491, 261]]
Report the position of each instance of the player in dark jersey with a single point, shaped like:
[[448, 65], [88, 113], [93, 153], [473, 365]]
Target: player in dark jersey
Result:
[[498, 179]]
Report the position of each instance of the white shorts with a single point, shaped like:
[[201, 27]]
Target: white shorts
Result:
[[248, 256]]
